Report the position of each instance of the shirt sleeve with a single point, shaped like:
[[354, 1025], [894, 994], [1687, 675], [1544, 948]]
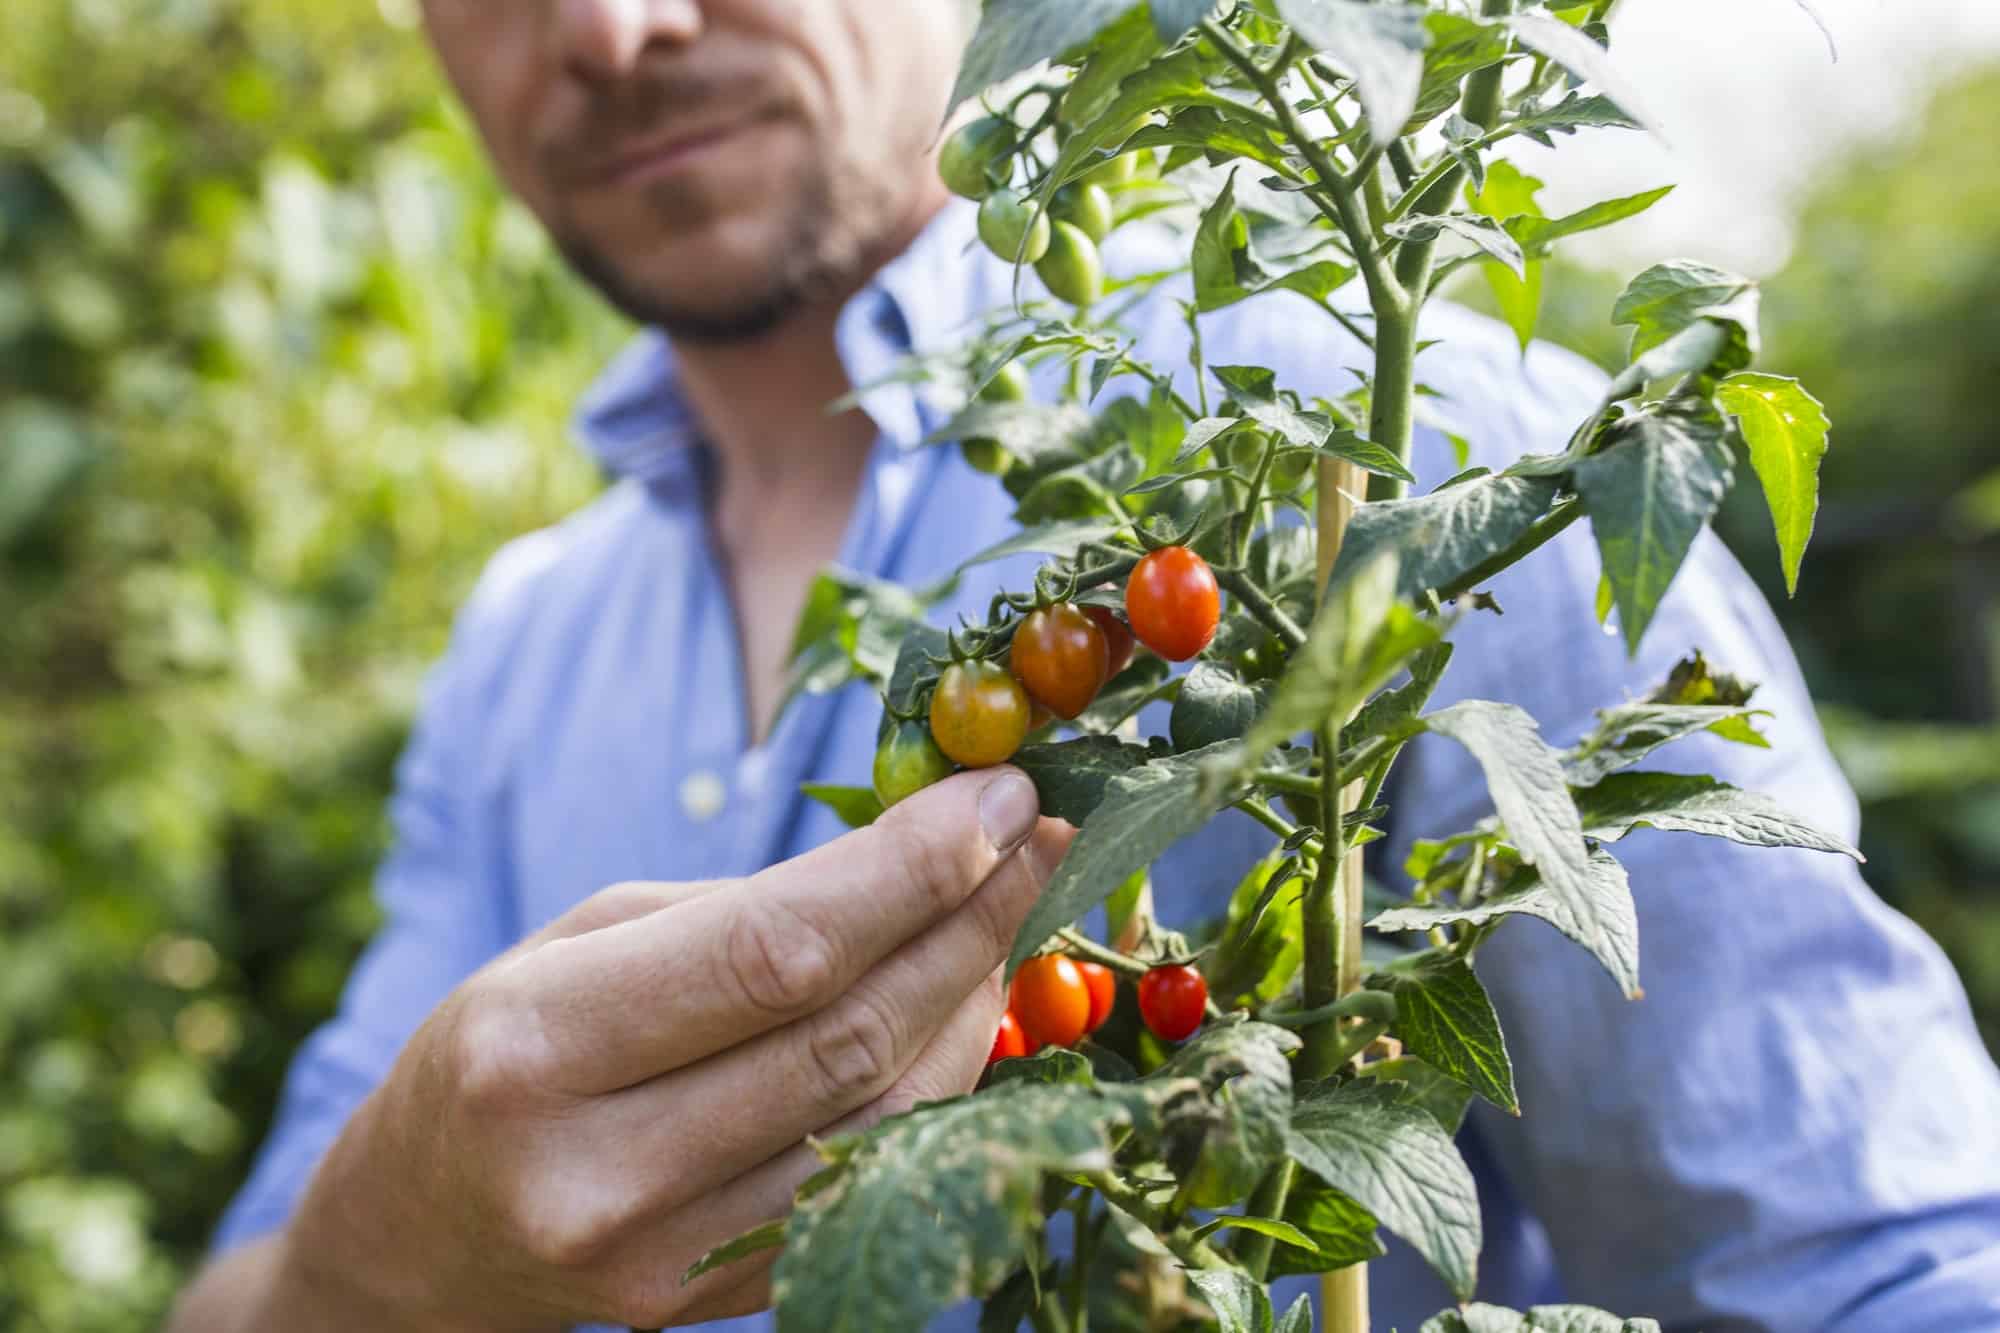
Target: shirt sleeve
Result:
[[447, 910], [1797, 1127]]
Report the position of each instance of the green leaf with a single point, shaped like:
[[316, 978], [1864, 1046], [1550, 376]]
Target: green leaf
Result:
[[1254, 389], [1142, 814], [1023, 33], [1508, 193], [1440, 536], [1342, 1231], [932, 1207], [1541, 1319], [1445, 1098], [1683, 803], [755, 1241], [1366, 455], [1263, 1226], [1263, 938], [1227, 270], [1380, 46], [1488, 235], [1072, 775], [1536, 235], [1117, 51], [1396, 1161], [1298, 1319], [856, 806], [1214, 705], [1532, 797], [1573, 113], [1222, 1144], [1039, 435], [1444, 1017], [1667, 298], [1627, 734], [1785, 428], [1649, 493], [1598, 914], [1240, 1303], [1582, 57]]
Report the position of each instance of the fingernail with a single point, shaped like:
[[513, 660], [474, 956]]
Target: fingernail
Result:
[[1008, 809]]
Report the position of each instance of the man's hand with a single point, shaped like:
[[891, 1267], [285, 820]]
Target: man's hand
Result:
[[592, 1112]]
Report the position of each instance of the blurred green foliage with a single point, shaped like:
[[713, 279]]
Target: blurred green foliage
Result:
[[279, 369]]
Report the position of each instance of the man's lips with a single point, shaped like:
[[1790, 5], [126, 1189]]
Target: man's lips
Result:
[[663, 155]]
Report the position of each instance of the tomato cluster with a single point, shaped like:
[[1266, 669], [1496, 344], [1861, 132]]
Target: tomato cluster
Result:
[[1057, 1000], [1061, 239]]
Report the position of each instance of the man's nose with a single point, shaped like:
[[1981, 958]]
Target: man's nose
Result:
[[603, 40]]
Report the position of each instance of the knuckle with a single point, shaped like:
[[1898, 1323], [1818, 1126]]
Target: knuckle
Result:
[[493, 1051], [645, 1300], [779, 962], [852, 1049], [573, 1230]]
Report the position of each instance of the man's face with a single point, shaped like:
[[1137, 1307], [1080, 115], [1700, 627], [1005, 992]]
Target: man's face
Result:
[[711, 164]]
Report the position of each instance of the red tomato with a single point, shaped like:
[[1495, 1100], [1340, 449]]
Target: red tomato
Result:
[[1173, 603], [1009, 1042], [1117, 636], [1103, 985], [1051, 999], [979, 714], [1171, 1001], [1061, 655]]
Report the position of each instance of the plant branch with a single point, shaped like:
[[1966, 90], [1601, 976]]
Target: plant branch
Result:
[[1542, 531], [1253, 1250], [1133, 1202], [1262, 607]]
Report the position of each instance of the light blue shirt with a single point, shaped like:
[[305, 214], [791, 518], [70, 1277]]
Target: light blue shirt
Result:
[[1797, 1129]]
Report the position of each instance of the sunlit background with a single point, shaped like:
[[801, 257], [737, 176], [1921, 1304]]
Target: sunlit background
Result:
[[278, 370]]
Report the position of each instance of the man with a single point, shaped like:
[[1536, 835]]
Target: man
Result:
[[543, 1097]]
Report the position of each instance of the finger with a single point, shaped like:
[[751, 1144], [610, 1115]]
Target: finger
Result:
[[754, 1100], [620, 1005], [948, 1066], [621, 903]]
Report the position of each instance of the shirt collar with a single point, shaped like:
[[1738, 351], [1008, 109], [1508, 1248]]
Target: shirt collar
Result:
[[636, 423]]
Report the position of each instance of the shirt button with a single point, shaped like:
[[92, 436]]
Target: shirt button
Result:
[[703, 796]]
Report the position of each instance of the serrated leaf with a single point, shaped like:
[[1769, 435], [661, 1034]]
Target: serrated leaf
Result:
[[1684, 803], [1263, 941], [1785, 428], [1061, 541], [1342, 1231], [755, 1241], [1444, 1018], [1039, 435], [1582, 57], [1649, 493], [1394, 1160], [1598, 914], [1380, 46], [1214, 705], [1541, 1319], [1141, 814], [1254, 389], [1366, 455], [1072, 775], [1263, 1226], [1509, 193], [1445, 1098], [1627, 734], [1227, 270], [934, 1206], [1298, 1319], [856, 806], [1440, 536], [1483, 232], [1526, 780], [1573, 113], [1117, 51], [1020, 35], [1240, 1303], [1668, 297]]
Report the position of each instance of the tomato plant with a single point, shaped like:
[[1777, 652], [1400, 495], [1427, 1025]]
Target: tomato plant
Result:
[[1173, 602], [1051, 999], [1062, 657], [979, 714], [1171, 999], [1344, 158]]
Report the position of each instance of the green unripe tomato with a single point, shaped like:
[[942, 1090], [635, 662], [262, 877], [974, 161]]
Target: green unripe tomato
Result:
[[968, 157], [1246, 450], [1012, 227], [984, 454], [1008, 385], [1088, 206], [1116, 171], [1071, 269], [907, 762]]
